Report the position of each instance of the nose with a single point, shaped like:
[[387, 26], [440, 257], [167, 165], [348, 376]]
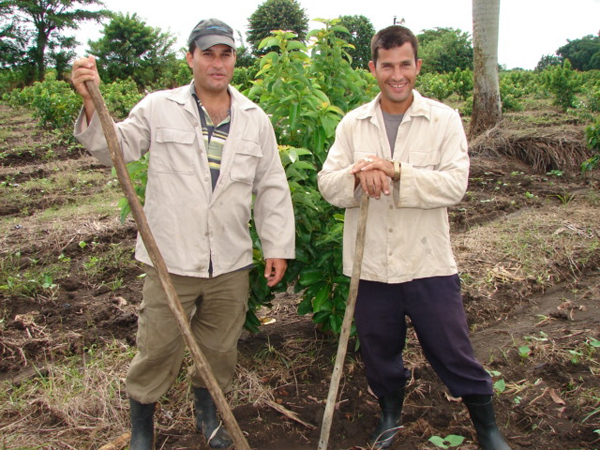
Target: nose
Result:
[[217, 63]]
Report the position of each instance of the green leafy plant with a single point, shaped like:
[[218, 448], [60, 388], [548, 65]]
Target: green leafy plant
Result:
[[452, 440], [500, 384], [524, 351], [564, 83], [120, 96], [592, 135], [302, 103], [138, 173], [463, 83], [437, 85], [54, 102]]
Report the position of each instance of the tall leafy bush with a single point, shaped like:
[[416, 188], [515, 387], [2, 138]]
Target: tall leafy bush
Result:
[[564, 83]]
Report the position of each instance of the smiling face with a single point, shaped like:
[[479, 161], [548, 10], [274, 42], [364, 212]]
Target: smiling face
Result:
[[212, 68], [396, 71]]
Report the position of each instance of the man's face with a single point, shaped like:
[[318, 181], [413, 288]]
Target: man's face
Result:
[[396, 72], [212, 68]]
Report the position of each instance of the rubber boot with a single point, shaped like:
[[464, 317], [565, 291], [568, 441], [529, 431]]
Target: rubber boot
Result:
[[207, 421], [389, 422], [142, 425], [482, 414]]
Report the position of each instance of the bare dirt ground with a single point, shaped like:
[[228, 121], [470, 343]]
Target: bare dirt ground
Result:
[[536, 330]]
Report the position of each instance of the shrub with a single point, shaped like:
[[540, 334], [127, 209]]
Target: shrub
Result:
[[55, 104], [564, 83], [592, 134], [436, 85], [120, 96], [510, 93]]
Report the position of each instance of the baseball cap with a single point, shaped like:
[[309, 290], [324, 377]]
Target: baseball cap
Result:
[[211, 32]]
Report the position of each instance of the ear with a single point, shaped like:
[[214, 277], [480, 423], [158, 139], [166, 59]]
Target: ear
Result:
[[372, 67], [419, 62], [190, 59]]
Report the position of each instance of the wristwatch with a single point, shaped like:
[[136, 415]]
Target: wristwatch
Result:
[[396, 176]]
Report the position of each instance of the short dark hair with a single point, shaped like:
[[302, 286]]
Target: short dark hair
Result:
[[391, 37]]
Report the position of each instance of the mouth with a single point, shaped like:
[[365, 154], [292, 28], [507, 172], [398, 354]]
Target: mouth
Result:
[[398, 86]]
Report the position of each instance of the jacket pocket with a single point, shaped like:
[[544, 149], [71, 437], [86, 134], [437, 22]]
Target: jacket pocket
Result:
[[174, 151], [245, 162], [426, 160]]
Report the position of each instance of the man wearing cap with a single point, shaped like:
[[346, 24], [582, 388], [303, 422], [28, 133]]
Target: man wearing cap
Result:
[[211, 150]]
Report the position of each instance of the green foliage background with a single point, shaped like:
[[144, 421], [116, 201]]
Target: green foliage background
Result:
[[130, 49]]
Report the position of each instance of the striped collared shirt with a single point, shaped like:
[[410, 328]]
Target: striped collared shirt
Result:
[[214, 139]]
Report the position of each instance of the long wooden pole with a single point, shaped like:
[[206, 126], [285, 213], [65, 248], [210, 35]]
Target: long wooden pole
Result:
[[161, 269], [346, 324]]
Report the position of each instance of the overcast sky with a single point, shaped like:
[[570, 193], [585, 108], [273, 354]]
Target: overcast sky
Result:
[[529, 29]]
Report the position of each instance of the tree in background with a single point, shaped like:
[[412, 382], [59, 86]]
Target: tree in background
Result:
[[276, 15], [15, 66], [548, 61], [360, 31], [244, 56], [583, 53], [61, 53], [13, 40], [40, 22], [444, 50], [130, 48], [487, 108]]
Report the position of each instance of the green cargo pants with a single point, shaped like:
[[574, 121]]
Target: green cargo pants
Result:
[[216, 308]]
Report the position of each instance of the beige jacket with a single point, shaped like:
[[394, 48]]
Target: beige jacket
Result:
[[190, 223], [407, 235]]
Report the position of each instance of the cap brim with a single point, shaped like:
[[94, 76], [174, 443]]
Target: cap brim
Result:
[[206, 42]]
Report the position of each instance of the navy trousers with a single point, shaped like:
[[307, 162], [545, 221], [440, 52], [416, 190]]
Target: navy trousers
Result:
[[435, 308]]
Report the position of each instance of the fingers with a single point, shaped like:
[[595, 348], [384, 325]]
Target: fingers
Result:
[[374, 183], [371, 171], [274, 270], [84, 69], [367, 163]]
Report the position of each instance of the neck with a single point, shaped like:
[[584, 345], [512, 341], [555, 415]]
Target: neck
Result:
[[220, 99], [395, 107], [216, 105]]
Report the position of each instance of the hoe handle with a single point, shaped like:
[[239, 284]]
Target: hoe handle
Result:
[[161, 268], [346, 324]]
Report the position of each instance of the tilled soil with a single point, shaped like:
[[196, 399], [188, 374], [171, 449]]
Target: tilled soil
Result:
[[548, 395]]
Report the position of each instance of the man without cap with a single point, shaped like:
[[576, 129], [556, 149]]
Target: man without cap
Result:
[[409, 154], [211, 150]]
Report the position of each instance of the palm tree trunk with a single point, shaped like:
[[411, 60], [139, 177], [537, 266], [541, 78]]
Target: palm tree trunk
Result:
[[487, 108]]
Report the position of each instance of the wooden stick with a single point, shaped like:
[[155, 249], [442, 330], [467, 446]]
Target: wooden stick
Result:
[[161, 269], [289, 414], [118, 444], [346, 324]]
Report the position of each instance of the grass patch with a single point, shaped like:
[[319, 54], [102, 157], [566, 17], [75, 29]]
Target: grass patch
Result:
[[56, 404], [541, 246]]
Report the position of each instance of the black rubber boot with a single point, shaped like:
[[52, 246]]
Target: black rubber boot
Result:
[[142, 425], [207, 421], [389, 422], [482, 414]]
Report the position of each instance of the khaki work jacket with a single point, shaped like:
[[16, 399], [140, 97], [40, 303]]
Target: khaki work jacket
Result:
[[407, 234], [191, 223]]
